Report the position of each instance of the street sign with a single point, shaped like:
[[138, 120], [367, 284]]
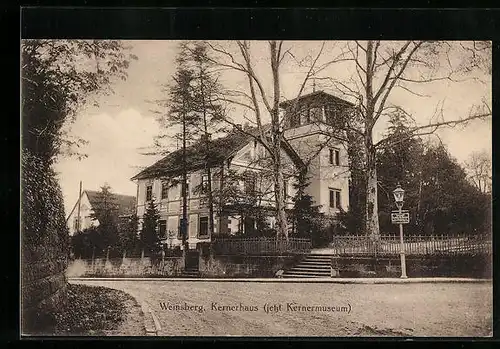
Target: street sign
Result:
[[400, 218]]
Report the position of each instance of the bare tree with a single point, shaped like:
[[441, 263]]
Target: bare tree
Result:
[[478, 167], [379, 69], [262, 106]]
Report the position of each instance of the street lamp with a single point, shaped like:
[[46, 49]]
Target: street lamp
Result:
[[399, 195]]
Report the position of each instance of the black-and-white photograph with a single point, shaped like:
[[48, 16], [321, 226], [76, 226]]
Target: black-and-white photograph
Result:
[[257, 188]]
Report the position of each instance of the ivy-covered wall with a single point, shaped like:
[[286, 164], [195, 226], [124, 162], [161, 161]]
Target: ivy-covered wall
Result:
[[44, 246]]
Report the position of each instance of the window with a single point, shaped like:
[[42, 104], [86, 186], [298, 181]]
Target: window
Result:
[[204, 182], [334, 157], [316, 114], [305, 116], [164, 191], [250, 184], [330, 114], [149, 192], [335, 198], [203, 226], [75, 224], [162, 228], [294, 120]]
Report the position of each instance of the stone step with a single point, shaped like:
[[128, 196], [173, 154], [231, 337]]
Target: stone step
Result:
[[308, 272], [312, 268], [318, 259], [304, 276], [313, 265], [316, 262]]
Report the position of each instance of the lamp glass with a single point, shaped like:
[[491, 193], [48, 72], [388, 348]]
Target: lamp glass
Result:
[[398, 194]]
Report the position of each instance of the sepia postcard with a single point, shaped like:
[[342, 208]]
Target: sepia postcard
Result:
[[256, 188]]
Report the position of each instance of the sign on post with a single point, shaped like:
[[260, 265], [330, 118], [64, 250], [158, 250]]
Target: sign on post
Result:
[[400, 218]]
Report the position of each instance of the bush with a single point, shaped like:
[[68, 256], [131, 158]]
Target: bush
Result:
[[90, 311]]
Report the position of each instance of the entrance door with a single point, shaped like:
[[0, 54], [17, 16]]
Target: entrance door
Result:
[[192, 260]]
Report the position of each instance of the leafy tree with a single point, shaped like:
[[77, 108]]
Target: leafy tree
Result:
[[206, 92], [105, 211], [57, 80], [442, 210], [402, 163], [431, 179], [150, 238], [306, 217], [181, 113], [128, 234]]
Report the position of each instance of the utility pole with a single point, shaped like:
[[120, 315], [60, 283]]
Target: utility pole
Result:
[[78, 214]]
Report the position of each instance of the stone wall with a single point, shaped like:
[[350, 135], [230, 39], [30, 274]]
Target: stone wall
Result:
[[209, 266], [44, 247], [126, 267], [244, 266], [471, 266]]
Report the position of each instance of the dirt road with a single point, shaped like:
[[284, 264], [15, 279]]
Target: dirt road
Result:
[[186, 308]]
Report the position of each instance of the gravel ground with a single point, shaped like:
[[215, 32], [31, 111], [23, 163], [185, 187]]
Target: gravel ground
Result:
[[133, 324], [422, 310]]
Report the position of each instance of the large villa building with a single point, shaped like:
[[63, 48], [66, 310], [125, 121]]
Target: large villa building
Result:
[[308, 143]]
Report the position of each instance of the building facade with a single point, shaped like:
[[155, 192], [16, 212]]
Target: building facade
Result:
[[81, 216], [239, 158]]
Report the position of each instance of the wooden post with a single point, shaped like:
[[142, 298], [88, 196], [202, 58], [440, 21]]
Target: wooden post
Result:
[[78, 214]]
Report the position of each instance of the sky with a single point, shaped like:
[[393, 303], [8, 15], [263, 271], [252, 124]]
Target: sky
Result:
[[123, 126]]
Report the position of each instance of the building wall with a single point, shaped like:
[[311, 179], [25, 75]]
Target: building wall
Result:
[[85, 220], [171, 208], [309, 142]]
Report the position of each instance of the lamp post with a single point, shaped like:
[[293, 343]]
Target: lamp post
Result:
[[399, 194]]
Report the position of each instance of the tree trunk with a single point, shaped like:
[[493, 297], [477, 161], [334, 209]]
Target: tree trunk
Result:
[[276, 137], [281, 221], [209, 170], [372, 223], [221, 197]]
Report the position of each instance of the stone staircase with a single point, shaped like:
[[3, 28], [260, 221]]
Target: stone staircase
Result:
[[191, 273], [311, 266]]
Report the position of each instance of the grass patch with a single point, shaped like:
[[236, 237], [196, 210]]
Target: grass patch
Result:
[[90, 311]]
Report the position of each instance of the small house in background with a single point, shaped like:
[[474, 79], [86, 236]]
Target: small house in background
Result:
[[308, 122], [80, 217]]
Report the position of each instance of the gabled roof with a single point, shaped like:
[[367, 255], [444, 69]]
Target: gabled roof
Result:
[[317, 95], [221, 149], [125, 203]]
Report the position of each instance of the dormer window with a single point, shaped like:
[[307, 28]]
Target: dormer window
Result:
[[305, 116], [330, 112], [316, 114]]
